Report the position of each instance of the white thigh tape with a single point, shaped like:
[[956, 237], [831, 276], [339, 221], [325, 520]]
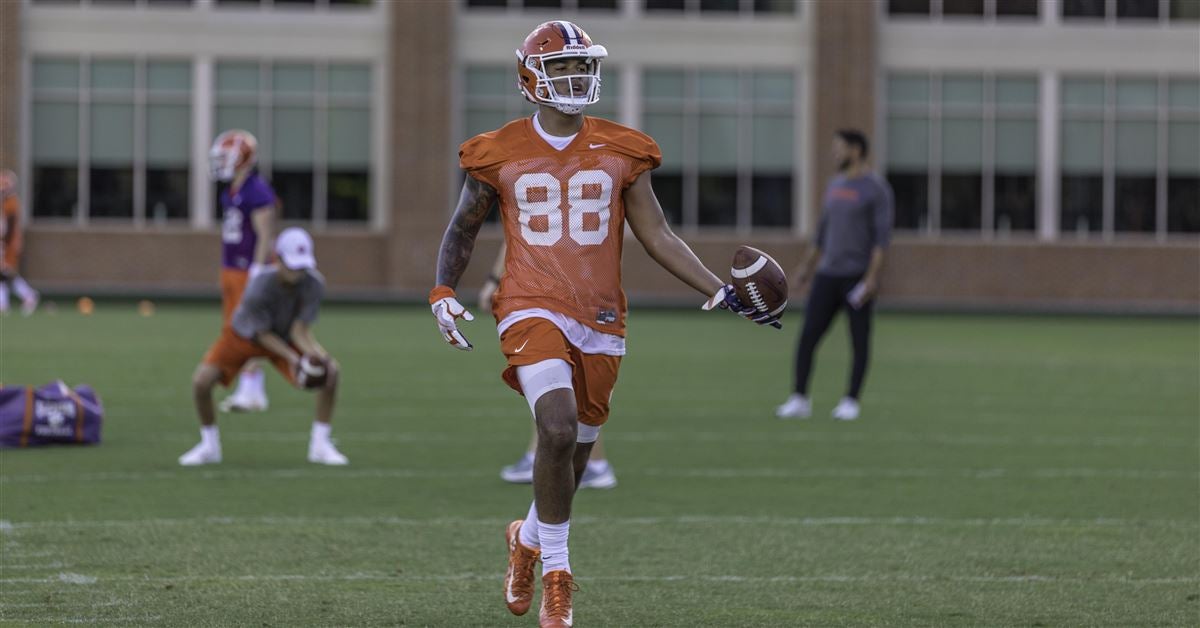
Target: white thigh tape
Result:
[[542, 377]]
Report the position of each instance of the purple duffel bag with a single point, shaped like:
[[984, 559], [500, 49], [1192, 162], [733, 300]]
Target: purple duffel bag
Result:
[[51, 415]]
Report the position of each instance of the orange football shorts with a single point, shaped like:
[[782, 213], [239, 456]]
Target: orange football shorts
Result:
[[231, 352], [233, 284], [593, 375]]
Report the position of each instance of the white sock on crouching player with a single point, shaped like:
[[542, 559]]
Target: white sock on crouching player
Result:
[[251, 383], [320, 432], [210, 436], [4, 297], [529, 529], [553, 537], [23, 289]]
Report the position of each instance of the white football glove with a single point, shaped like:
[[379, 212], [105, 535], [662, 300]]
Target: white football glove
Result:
[[447, 310]]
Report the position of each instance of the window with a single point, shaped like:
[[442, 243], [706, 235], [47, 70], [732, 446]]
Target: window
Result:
[[298, 4], [313, 124], [1183, 156], [1185, 10], [956, 9], [536, 5], [1117, 176], [961, 152], [1131, 10], [728, 141], [726, 7], [111, 138]]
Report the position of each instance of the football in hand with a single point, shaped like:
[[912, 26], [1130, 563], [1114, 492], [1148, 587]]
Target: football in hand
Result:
[[312, 371], [759, 281]]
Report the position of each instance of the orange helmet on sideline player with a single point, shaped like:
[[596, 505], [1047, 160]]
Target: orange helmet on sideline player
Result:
[[233, 151], [558, 40]]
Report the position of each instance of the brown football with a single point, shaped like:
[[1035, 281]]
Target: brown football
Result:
[[759, 281], [312, 372]]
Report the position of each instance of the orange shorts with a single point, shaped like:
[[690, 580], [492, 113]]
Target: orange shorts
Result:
[[593, 375], [233, 284], [231, 352], [12, 258]]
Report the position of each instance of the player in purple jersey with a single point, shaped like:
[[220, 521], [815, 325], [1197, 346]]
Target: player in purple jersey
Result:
[[247, 229]]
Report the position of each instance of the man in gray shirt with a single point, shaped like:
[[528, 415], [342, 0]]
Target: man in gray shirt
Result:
[[273, 320], [855, 229]]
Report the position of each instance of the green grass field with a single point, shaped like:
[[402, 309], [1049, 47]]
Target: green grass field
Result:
[[1007, 471]]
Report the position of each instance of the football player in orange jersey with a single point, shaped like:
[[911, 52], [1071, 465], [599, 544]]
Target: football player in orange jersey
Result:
[[566, 184], [10, 247]]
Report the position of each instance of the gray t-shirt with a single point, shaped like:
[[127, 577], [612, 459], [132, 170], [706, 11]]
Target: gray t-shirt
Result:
[[856, 218], [268, 304]]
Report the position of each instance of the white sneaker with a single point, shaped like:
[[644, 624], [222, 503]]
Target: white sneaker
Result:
[[29, 306], [595, 476], [797, 406], [323, 452], [519, 472], [201, 454], [846, 410], [243, 402]]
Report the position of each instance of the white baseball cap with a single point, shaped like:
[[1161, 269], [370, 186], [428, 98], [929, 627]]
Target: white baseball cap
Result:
[[295, 249]]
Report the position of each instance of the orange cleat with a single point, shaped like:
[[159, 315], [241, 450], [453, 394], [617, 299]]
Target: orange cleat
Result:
[[518, 580], [557, 587]]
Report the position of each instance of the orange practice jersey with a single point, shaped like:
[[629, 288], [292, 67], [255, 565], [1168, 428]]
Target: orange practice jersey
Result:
[[563, 214]]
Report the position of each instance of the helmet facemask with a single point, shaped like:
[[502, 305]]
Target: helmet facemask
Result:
[[545, 90]]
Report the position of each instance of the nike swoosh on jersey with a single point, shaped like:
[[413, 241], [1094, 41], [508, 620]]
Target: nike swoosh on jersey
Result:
[[597, 145], [522, 347]]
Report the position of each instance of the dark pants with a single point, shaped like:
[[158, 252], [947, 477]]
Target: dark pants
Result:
[[829, 294]]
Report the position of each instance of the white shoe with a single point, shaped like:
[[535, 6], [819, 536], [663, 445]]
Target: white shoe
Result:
[[29, 306], [243, 402], [797, 406], [602, 478], [325, 453], [201, 454], [846, 410], [519, 472]]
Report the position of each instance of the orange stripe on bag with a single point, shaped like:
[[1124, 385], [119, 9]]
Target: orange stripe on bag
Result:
[[27, 423]]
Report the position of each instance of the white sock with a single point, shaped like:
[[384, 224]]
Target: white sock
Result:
[[321, 432], [251, 383], [4, 296], [529, 529], [210, 436], [597, 466], [528, 457], [22, 289], [553, 536]]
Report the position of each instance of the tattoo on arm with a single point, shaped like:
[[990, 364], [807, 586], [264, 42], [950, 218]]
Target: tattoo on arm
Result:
[[459, 240]]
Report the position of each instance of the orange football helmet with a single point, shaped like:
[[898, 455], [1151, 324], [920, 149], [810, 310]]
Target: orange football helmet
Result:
[[8, 183], [559, 40], [233, 151]]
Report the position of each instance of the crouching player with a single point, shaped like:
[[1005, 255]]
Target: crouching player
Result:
[[272, 321]]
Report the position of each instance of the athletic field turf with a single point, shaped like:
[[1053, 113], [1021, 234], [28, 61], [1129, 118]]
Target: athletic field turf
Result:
[[1007, 471]]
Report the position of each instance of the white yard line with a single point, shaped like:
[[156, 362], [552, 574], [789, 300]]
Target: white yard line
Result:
[[718, 578], [685, 520], [935, 438], [304, 473]]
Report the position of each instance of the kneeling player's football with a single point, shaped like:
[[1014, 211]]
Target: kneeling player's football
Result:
[[312, 371], [759, 281]]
